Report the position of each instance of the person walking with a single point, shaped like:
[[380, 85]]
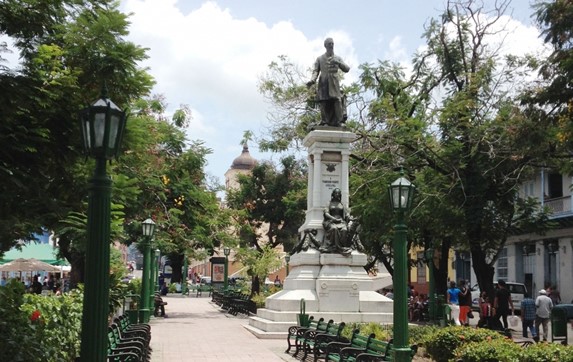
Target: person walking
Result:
[[528, 316], [465, 302], [453, 301], [543, 305], [502, 303]]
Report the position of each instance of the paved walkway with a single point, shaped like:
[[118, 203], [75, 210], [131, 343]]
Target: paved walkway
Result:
[[196, 330]]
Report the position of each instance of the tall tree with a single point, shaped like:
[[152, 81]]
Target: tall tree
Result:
[[67, 49], [456, 125]]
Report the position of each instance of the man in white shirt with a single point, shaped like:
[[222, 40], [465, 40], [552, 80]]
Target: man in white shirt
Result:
[[543, 306]]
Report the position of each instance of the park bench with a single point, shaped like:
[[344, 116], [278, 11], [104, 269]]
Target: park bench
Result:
[[126, 349], [339, 350], [218, 297], [301, 333], [317, 341], [292, 331], [379, 350], [241, 303], [127, 327], [203, 288]]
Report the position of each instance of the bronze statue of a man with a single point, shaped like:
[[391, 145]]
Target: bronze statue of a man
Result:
[[328, 94]]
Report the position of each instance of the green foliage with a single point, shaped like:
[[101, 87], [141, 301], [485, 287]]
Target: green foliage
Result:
[[272, 196], [547, 352], [172, 288], [59, 326], [18, 342], [442, 345], [259, 299], [421, 333], [497, 350], [259, 264], [134, 286]]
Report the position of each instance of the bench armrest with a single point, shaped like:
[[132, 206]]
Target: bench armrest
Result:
[[335, 347], [370, 357], [350, 351]]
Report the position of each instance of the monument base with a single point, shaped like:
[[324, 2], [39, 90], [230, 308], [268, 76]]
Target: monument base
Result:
[[333, 286]]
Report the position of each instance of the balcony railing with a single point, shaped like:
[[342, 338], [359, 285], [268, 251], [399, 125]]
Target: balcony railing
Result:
[[559, 205]]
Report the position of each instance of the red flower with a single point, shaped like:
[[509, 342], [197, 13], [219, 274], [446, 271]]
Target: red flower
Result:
[[35, 315]]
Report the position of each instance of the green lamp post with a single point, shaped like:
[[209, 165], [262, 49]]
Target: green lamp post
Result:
[[226, 251], [287, 259], [401, 193], [184, 272], [102, 126], [157, 268], [429, 256], [148, 229]]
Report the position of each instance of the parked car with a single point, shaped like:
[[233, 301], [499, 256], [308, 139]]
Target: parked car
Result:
[[517, 291], [205, 280]]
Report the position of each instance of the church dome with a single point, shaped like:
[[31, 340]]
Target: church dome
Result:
[[245, 161]]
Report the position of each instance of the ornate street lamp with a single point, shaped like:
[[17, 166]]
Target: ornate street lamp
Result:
[[401, 194], [102, 126], [148, 227], [287, 259], [226, 251]]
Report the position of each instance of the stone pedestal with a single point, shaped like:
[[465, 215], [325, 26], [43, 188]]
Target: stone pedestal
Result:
[[328, 164], [333, 286]]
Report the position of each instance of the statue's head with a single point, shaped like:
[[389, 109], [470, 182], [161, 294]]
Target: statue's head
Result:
[[336, 195], [329, 43]]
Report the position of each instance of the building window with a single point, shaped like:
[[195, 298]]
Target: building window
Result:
[[502, 265]]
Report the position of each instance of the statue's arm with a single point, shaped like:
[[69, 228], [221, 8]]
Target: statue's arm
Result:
[[315, 73], [343, 66]]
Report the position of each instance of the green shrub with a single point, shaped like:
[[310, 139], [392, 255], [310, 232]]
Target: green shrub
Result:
[[172, 288], [259, 300], [381, 332], [441, 345], [18, 332], [420, 334], [496, 350], [548, 352], [58, 326]]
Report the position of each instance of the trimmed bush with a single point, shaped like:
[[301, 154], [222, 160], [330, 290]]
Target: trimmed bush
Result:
[[441, 346], [548, 352], [497, 350]]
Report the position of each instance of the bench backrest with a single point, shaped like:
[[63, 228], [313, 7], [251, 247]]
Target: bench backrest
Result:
[[361, 341], [377, 346], [335, 329], [323, 326], [312, 323]]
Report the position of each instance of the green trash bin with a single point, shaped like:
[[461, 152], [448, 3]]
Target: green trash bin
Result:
[[132, 312], [559, 323]]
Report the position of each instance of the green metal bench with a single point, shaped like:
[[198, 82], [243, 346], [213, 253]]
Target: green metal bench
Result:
[[380, 351], [292, 331], [338, 351], [122, 349], [317, 341], [302, 333]]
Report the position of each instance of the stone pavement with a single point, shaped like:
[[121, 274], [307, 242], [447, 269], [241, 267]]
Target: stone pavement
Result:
[[196, 330]]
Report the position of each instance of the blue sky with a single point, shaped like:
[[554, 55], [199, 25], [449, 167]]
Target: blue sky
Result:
[[210, 54]]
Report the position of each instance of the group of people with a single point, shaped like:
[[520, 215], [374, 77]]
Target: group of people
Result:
[[38, 284], [535, 313]]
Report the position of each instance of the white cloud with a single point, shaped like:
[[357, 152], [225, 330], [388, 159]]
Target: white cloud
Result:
[[212, 61]]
